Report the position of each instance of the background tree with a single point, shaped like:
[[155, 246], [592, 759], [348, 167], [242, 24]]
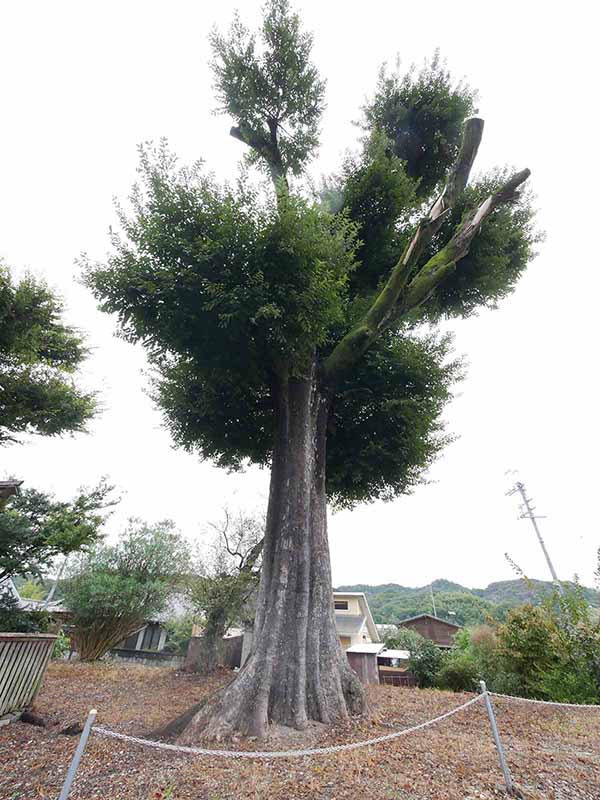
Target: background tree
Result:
[[289, 331], [114, 589], [426, 659], [35, 528], [550, 652], [32, 590], [39, 355], [225, 580], [14, 620], [554, 649]]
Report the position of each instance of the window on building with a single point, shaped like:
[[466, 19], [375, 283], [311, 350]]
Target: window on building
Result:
[[340, 605]]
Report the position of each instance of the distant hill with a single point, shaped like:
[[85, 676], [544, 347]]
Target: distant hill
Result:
[[391, 602], [520, 591]]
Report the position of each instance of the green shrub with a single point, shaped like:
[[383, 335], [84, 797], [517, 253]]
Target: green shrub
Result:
[[179, 633], [569, 686], [458, 672], [114, 589], [14, 620], [402, 639], [425, 662], [62, 645]]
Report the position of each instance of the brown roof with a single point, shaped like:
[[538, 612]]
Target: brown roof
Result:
[[430, 616]]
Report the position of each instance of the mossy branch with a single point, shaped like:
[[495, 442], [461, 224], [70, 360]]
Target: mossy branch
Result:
[[443, 262], [404, 290]]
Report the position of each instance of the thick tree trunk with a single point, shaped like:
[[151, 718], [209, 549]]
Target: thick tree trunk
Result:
[[297, 670]]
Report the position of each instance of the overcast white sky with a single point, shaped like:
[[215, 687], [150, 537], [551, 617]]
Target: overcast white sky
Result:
[[84, 83]]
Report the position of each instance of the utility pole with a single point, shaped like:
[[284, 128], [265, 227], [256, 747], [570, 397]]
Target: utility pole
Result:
[[432, 599], [527, 513]]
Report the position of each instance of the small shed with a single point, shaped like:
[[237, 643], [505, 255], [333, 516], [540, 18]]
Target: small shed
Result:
[[393, 668], [363, 660], [440, 631]]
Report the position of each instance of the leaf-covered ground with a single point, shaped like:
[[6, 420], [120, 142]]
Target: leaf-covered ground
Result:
[[554, 754]]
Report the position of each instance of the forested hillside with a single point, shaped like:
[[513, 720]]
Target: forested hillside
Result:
[[391, 602]]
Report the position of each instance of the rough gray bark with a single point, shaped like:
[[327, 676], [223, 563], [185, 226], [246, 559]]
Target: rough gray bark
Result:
[[297, 670]]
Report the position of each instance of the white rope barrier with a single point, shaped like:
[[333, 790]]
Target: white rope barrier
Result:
[[544, 702], [337, 748]]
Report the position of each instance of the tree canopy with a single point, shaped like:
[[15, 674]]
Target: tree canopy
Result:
[[39, 355], [35, 528], [227, 286]]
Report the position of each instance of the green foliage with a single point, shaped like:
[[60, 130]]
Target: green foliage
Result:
[[179, 633], [32, 590], [392, 605], [425, 662], [458, 673], [528, 590], [376, 193], [496, 260], [227, 575], [114, 589], [231, 292], [14, 620], [550, 652], [526, 639], [35, 528], [402, 639], [386, 424], [220, 288], [570, 683], [422, 114], [38, 357], [425, 657], [62, 645], [276, 91]]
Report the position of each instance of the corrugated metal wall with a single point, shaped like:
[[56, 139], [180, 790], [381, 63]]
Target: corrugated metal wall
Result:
[[23, 661]]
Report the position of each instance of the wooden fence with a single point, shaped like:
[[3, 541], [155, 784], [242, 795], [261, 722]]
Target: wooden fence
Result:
[[23, 661], [396, 677]]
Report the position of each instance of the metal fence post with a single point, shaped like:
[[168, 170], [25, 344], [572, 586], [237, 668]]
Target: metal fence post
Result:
[[78, 753], [490, 710]]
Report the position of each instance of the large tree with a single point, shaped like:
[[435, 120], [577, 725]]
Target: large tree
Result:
[[39, 355], [297, 331]]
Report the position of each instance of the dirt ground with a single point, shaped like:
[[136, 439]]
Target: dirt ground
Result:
[[553, 754]]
